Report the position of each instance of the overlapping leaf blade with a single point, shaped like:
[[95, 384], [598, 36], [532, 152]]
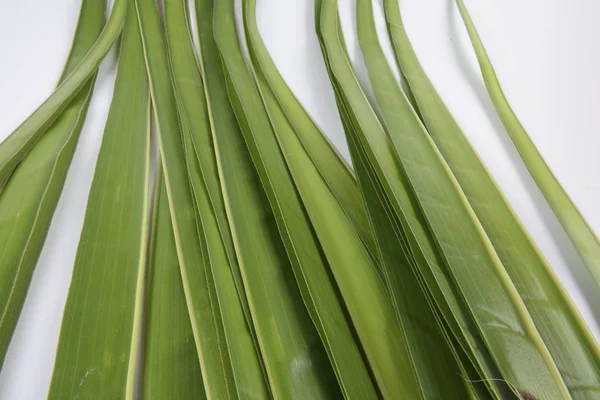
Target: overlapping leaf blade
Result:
[[28, 200], [14, 148], [581, 234], [199, 288], [171, 366], [222, 267], [467, 253], [424, 341], [556, 318], [342, 246], [97, 349], [332, 167], [294, 358]]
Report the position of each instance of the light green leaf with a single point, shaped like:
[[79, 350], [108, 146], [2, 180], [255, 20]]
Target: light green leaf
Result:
[[16, 146], [415, 241], [194, 263], [569, 341], [472, 262], [194, 110], [581, 234], [239, 333], [29, 199], [424, 341], [332, 167], [171, 365], [97, 349], [294, 358]]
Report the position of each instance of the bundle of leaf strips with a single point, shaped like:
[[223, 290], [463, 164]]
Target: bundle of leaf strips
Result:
[[273, 269]]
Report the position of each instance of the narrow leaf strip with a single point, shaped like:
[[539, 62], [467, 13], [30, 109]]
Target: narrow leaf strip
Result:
[[415, 331], [332, 167], [22, 139], [97, 349], [569, 341], [396, 204], [217, 242], [471, 260], [581, 234], [29, 199], [293, 355], [171, 365], [423, 339], [197, 282], [194, 111]]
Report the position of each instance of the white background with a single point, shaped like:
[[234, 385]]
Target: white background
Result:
[[546, 54]]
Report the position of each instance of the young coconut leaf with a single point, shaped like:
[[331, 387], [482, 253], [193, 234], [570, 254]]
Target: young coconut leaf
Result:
[[292, 352], [97, 348], [14, 148], [468, 254], [189, 90], [194, 265], [569, 341], [424, 339], [194, 110], [29, 199], [381, 338], [581, 234], [415, 242], [333, 168], [415, 330], [171, 365]]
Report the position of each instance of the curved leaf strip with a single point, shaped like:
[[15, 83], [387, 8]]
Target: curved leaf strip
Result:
[[333, 168], [581, 234], [556, 318], [193, 109], [29, 198], [293, 354], [468, 254], [16, 146], [397, 205]]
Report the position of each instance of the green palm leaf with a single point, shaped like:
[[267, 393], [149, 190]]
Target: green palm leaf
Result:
[[29, 199], [556, 318], [415, 329], [467, 253], [239, 333], [14, 148], [194, 263], [581, 234], [292, 353], [99, 337], [171, 365], [337, 174]]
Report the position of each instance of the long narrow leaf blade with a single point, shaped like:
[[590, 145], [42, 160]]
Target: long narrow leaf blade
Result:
[[229, 289], [99, 337], [199, 289], [415, 331], [171, 365], [332, 167], [498, 310], [581, 234], [294, 357], [29, 199], [22, 139], [556, 318]]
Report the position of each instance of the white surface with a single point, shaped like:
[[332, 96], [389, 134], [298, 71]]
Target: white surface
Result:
[[545, 53]]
